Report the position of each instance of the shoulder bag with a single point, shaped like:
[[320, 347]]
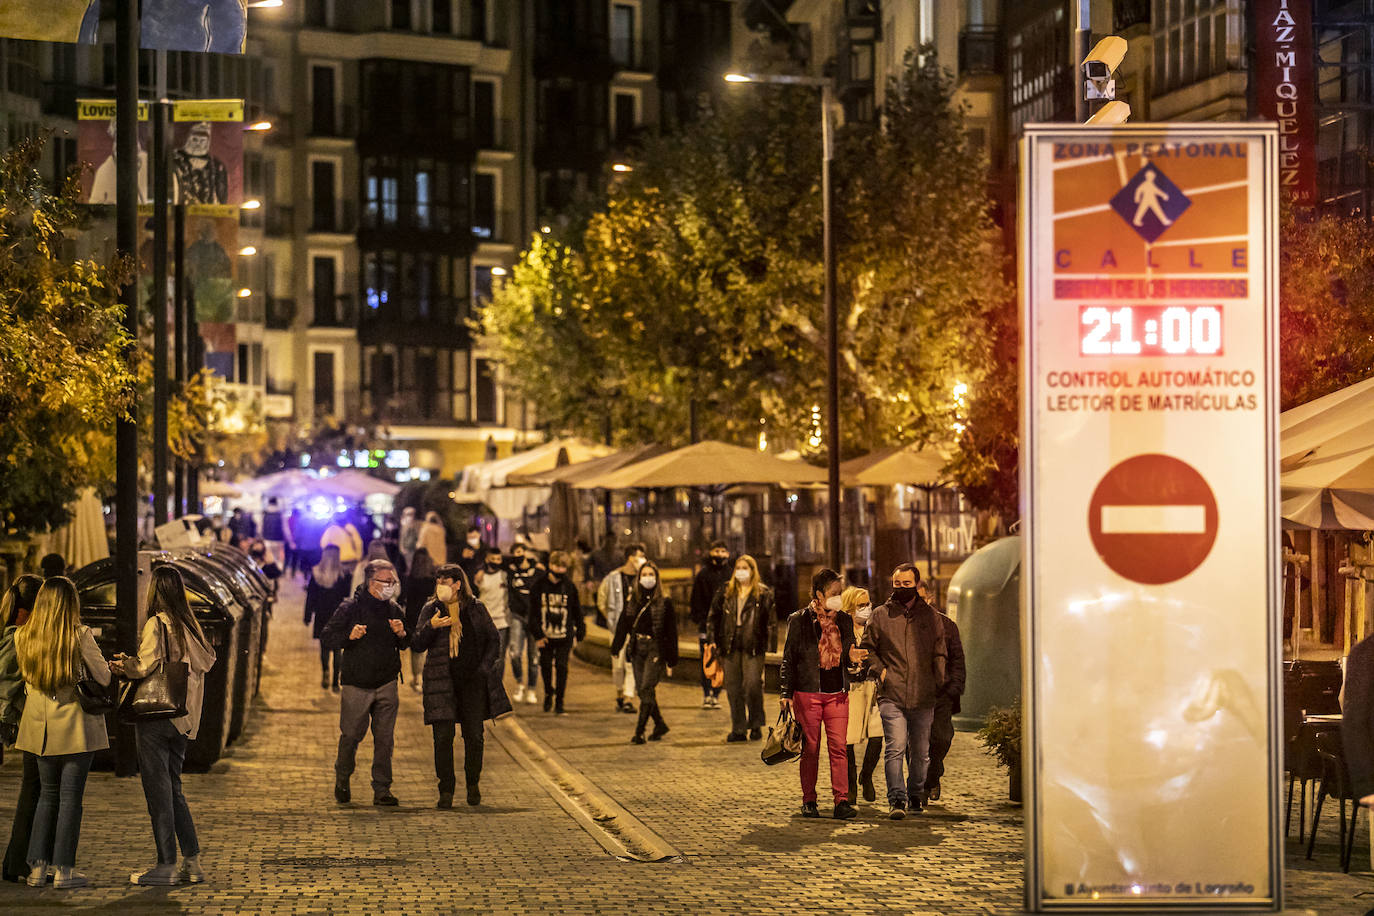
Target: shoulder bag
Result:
[[784, 741], [159, 695], [96, 699]]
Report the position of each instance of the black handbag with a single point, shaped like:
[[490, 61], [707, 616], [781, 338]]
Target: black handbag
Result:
[[159, 695], [784, 741], [96, 699]]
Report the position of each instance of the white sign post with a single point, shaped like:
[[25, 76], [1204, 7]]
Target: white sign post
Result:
[[1149, 285]]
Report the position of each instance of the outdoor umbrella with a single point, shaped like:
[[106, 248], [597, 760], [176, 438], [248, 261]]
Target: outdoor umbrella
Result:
[[1307, 426], [582, 470], [491, 480], [82, 540], [706, 464]]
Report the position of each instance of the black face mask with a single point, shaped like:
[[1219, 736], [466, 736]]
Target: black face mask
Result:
[[719, 561], [493, 567], [904, 593]]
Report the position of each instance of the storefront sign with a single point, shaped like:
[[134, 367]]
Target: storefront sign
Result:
[[1149, 289], [1286, 92]]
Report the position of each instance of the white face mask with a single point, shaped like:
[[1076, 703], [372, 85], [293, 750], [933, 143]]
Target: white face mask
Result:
[[474, 540], [444, 593], [648, 582], [743, 575], [832, 603], [862, 614], [638, 562], [389, 591]]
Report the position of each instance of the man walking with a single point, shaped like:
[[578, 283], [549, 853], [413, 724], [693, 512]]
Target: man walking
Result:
[[946, 702], [710, 579], [555, 624], [908, 651], [370, 629], [610, 598]]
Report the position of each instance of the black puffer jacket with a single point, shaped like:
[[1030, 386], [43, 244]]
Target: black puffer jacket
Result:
[[440, 703]]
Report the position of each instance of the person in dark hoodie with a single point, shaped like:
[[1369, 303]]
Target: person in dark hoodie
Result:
[[463, 669], [710, 579], [370, 629], [555, 623], [649, 625]]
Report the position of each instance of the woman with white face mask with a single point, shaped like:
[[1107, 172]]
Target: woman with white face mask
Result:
[[649, 626], [865, 724], [740, 629]]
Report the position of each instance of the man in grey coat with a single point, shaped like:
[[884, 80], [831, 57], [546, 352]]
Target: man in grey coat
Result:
[[908, 651]]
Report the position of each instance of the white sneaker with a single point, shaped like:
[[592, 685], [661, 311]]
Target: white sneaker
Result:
[[38, 874], [191, 872], [157, 876], [715, 702], [705, 702], [67, 876], [531, 696], [518, 695]]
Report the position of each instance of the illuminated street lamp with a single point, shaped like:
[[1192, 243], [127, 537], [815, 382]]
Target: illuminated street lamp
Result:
[[498, 271], [259, 126], [832, 332], [251, 204], [248, 251], [622, 167]]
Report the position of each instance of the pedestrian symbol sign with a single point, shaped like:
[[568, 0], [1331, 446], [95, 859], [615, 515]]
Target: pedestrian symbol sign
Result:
[[1150, 202]]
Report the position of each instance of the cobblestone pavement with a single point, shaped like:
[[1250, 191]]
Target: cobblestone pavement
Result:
[[275, 842]]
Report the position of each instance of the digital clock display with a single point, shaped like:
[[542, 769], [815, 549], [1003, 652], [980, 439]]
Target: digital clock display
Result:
[[1149, 330]]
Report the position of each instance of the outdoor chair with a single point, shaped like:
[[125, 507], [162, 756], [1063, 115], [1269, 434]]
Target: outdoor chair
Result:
[[1335, 783]]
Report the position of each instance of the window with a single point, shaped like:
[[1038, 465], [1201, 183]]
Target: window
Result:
[[481, 284], [625, 116], [484, 206], [1190, 42], [317, 13], [325, 292], [486, 392], [441, 17], [322, 100], [414, 193], [325, 214], [477, 20], [484, 114], [323, 369], [400, 14], [623, 35]]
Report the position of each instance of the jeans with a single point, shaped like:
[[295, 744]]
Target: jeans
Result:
[[161, 753], [16, 855], [522, 645], [941, 738], [744, 690], [905, 729], [325, 655], [553, 664], [706, 689], [813, 710], [470, 698], [648, 669], [57, 820], [357, 706]]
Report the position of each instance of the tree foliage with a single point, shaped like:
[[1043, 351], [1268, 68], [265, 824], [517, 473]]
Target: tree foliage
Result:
[[698, 281]]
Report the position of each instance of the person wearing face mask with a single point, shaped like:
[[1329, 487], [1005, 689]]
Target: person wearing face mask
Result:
[[493, 588], [524, 665], [709, 580], [555, 623], [946, 700], [908, 650], [473, 554], [865, 725], [649, 628], [463, 670], [740, 629], [814, 682], [370, 629], [611, 598]]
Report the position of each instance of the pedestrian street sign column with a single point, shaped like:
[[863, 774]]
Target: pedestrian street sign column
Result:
[[1151, 650]]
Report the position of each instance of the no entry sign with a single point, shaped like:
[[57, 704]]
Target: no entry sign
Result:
[[1149, 504]]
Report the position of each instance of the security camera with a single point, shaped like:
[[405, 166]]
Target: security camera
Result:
[[1111, 113], [1099, 66]]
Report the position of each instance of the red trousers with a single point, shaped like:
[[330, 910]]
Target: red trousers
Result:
[[832, 709]]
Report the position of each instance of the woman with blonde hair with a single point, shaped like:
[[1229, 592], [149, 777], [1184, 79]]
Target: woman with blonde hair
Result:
[[740, 629], [171, 634], [324, 592], [55, 651], [865, 723]]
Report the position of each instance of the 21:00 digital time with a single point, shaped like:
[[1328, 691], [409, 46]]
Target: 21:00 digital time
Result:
[[1149, 330]]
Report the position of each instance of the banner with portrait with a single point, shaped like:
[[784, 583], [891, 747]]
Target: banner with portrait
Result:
[[206, 157], [195, 25], [95, 148], [211, 261]]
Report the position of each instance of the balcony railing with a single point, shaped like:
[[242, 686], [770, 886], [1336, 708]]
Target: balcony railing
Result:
[[341, 217], [340, 312], [280, 220], [341, 123], [281, 313], [493, 227], [497, 134], [980, 49]]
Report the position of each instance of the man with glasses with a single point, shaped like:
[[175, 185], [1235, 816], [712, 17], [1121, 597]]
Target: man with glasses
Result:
[[370, 629]]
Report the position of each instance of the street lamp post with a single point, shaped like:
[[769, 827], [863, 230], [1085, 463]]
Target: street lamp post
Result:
[[832, 325]]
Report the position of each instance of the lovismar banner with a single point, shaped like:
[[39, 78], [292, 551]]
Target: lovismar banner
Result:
[[206, 160], [95, 148], [1149, 486], [75, 21], [195, 25]]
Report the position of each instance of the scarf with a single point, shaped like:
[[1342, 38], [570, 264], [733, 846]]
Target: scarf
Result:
[[455, 629], [831, 646]]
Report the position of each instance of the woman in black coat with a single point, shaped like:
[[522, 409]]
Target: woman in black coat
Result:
[[649, 625], [462, 683], [324, 592]]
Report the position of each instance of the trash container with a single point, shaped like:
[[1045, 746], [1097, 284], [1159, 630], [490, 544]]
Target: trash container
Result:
[[264, 587], [219, 615]]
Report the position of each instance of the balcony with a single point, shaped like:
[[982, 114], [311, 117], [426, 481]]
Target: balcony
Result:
[[281, 313], [411, 405], [336, 312], [280, 220], [340, 124], [633, 56], [334, 216], [497, 226], [496, 134], [980, 50]]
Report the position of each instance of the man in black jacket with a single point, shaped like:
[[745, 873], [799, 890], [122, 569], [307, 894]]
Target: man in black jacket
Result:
[[556, 623], [710, 579], [946, 701], [370, 629]]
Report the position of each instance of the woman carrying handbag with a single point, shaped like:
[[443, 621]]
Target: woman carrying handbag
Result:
[[865, 724], [171, 636], [55, 652]]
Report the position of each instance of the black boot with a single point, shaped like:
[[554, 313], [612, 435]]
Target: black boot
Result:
[[641, 721], [660, 727]]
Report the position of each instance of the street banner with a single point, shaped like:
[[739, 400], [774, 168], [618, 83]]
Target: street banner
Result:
[[194, 25], [1285, 90], [95, 147], [50, 20], [206, 159], [1151, 643], [211, 262]]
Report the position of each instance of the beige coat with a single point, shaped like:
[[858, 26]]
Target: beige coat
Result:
[[56, 724], [432, 539], [153, 648]]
